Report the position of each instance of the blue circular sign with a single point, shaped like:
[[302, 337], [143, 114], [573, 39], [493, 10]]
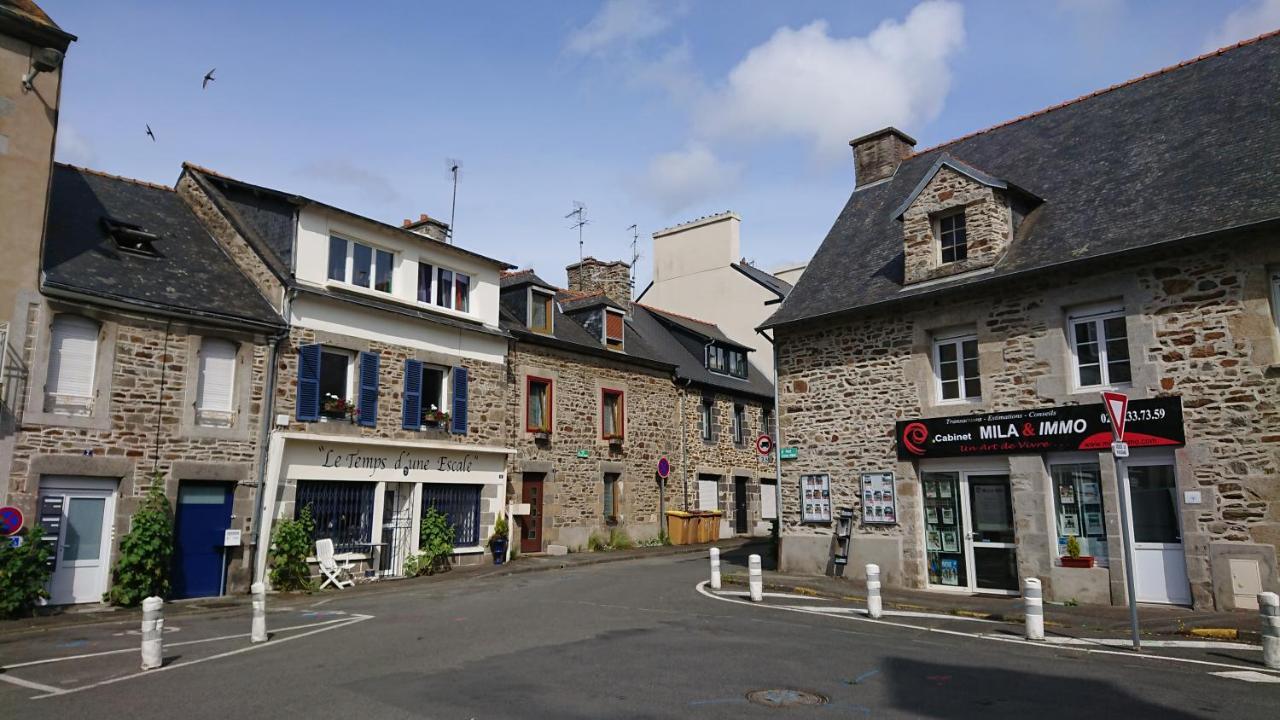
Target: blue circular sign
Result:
[[664, 468], [10, 520]]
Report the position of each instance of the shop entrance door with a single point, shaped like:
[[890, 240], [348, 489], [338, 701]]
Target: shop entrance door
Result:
[[969, 538], [1160, 567], [397, 527], [77, 514], [740, 505], [531, 487]]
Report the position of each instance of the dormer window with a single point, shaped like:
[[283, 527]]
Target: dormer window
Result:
[[726, 361], [131, 238], [359, 264], [952, 237], [614, 328], [541, 312]]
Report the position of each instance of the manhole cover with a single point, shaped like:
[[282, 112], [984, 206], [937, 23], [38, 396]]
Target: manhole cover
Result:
[[785, 697]]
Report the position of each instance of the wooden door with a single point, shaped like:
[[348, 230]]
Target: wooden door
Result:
[[740, 505], [531, 524]]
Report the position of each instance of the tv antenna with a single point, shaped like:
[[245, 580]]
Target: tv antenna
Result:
[[579, 213], [635, 252], [454, 165]]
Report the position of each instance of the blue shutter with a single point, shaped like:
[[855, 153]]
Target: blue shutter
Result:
[[368, 403], [459, 419], [412, 395], [308, 401]]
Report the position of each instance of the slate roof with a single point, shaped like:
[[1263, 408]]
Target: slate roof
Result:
[[578, 301], [706, 330], [777, 286], [191, 274], [522, 277], [26, 17], [1184, 152], [657, 326]]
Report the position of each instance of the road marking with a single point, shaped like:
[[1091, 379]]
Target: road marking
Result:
[[28, 684], [745, 593], [1117, 642], [701, 588], [899, 613], [1248, 676]]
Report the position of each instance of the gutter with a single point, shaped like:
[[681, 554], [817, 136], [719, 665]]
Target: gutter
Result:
[[777, 445], [65, 292], [264, 431]]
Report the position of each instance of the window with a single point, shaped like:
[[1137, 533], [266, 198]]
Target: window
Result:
[[955, 365], [705, 421], [461, 507], [1077, 497], [739, 425], [435, 410], [424, 282], [131, 238], [1275, 296], [335, 383], [537, 412], [611, 497], [952, 237], [541, 312], [73, 356], [708, 492], [1101, 347], [613, 329], [611, 414], [342, 512], [766, 420], [461, 292], [726, 361], [215, 394], [359, 264], [444, 288]]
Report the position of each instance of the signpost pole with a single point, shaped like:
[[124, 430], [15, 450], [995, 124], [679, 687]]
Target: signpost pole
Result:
[[1117, 406]]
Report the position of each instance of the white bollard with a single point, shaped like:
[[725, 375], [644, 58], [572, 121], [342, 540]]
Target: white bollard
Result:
[[1269, 607], [1033, 604], [152, 630], [258, 632], [715, 568], [874, 608], [755, 580]]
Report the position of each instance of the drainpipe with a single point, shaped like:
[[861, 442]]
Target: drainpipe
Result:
[[265, 430]]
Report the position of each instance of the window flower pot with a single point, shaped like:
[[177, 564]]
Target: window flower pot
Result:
[[1084, 561]]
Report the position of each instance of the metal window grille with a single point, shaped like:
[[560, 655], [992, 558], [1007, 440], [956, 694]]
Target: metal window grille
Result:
[[461, 507], [342, 511]]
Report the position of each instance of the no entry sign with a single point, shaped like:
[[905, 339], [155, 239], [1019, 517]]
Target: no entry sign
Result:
[[10, 520]]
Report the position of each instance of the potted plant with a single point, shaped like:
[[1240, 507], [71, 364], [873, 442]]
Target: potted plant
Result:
[[1074, 559], [435, 417], [498, 541], [338, 407]]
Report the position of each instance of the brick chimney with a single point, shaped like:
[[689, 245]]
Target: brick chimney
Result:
[[876, 156], [611, 278], [428, 226]]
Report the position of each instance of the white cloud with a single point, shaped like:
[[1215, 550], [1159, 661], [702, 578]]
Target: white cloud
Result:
[[619, 23], [73, 148], [677, 180], [1260, 16], [806, 83]]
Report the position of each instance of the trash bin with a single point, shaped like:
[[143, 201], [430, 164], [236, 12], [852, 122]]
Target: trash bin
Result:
[[709, 526], [678, 527]]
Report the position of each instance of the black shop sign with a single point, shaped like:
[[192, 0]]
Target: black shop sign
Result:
[[1149, 423]]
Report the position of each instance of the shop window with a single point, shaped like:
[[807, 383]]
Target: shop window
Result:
[[215, 394], [706, 424], [739, 425], [955, 368], [1077, 499], [1100, 347], [944, 529], [612, 415], [73, 359], [541, 312], [461, 507], [953, 238], [611, 497], [537, 405], [342, 512]]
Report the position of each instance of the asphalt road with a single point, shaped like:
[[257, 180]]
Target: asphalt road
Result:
[[621, 640]]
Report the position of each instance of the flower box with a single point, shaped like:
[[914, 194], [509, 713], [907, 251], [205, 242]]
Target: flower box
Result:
[[1084, 561]]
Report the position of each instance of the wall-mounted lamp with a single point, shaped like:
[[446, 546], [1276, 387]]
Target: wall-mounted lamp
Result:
[[42, 60]]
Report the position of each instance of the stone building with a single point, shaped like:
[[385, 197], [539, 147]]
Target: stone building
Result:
[[390, 387], [147, 354], [941, 360]]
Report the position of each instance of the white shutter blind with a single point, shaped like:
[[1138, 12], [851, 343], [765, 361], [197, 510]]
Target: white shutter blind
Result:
[[708, 494], [73, 352], [217, 375]]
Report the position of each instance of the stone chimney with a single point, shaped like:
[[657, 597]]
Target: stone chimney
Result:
[[427, 226], [876, 156], [611, 278]]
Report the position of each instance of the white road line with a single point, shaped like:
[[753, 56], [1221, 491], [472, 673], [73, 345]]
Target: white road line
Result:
[[1248, 676], [701, 588], [901, 613], [745, 593], [28, 684], [351, 620], [1117, 642], [168, 644]]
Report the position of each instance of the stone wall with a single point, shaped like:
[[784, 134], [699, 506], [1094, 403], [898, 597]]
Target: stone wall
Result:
[[723, 457], [988, 225], [1199, 325], [611, 278]]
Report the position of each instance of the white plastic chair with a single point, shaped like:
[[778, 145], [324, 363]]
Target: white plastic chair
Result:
[[329, 565]]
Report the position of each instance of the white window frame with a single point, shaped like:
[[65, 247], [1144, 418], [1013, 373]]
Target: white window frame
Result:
[[73, 404], [957, 338], [215, 415], [937, 231], [434, 299], [446, 375], [352, 369], [1097, 315], [349, 265]]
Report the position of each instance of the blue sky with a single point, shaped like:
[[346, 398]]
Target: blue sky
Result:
[[650, 113]]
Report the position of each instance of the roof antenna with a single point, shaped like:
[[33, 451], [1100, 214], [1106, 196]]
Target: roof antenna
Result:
[[635, 252], [579, 210], [454, 166]]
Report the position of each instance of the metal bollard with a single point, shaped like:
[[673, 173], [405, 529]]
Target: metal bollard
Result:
[[1033, 604], [152, 629], [1269, 607], [258, 632], [754, 578], [874, 608], [715, 568]]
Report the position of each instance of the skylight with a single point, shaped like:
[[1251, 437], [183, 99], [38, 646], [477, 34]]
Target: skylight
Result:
[[131, 238]]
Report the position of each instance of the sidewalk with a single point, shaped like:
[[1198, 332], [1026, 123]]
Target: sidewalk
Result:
[[1092, 620]]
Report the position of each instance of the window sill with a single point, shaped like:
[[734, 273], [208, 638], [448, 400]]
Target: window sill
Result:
[[392, 297]]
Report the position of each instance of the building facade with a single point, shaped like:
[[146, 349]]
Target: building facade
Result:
[[941, 361]]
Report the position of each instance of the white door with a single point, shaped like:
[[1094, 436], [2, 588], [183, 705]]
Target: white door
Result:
[[84, 511], [1160, 567]]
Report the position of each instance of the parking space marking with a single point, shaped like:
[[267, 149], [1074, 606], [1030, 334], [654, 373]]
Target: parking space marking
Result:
[[28, 684]]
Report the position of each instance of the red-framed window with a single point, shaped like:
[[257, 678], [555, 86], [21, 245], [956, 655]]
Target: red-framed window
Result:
[[613, 414], [537, 404]]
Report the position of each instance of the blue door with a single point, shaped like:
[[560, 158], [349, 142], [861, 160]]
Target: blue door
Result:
[[204, 512]]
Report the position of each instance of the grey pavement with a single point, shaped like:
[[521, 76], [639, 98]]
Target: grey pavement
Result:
[[624, 639]]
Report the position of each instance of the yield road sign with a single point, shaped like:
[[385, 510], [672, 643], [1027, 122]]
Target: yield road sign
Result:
[[10, 520], [1117, 404]]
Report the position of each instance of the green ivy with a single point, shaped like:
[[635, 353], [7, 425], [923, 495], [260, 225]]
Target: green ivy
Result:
[[435, 545], [146, 552], [291, 544], [24, 570]]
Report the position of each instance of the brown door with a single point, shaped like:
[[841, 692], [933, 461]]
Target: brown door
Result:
[[531, 524]]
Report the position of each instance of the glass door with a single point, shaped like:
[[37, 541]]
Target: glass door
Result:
[[944, 523], [83, 519], [1160, 567], [991, 543]]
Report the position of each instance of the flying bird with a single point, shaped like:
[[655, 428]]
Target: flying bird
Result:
[[151, 134], [208, 78]]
